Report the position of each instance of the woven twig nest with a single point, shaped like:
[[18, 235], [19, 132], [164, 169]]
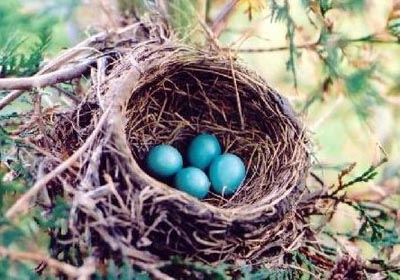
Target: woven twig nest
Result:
[[164, 92]]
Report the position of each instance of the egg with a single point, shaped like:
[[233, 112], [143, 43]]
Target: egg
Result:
[[227, 173], [202, 150], [164, 161], [193, 181]]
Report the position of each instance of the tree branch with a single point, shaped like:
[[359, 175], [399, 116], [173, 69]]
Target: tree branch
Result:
[[366, 40], [222, 18], [40, 81], [67, 56], [274, 49]]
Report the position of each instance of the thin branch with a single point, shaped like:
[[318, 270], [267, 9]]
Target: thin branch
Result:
[[202, 7], [395, 100], [66, 56], [69, 270], [213, 39], [222, 18], [327, 113], [371, 40], [275, 49], [365, 40], [238, 102], [87, 44], [364, 177], [21, 84], [10, 98], [23, 202], [75, 99], [40, 81]]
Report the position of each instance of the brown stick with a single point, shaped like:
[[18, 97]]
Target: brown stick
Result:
[[202, 8], [44, 80], [313, 45], [66, 56], [222, 18], [273, 49], [23, 202]]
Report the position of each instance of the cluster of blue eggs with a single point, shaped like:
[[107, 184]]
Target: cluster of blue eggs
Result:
[[226, 172]]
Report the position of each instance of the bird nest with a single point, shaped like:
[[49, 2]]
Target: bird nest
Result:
[[160, 91]]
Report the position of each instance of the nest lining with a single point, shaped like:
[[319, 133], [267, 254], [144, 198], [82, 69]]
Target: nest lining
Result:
[[179, 92], [191, 95]]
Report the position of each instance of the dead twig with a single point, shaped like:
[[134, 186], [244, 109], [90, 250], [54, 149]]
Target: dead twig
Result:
[[222, 18], [67, 56], [274, 49], [40, 81]]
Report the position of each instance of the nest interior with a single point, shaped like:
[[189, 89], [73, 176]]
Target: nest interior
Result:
[[177, 93], [185, 98]]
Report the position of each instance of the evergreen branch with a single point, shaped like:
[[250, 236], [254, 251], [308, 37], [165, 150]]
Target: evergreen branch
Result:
[[291, 64], [366, 176], [281, 12]]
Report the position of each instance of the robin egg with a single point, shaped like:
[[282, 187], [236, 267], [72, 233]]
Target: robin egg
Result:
[[227, 173], [164, 161], [202, 150], [193, 181]]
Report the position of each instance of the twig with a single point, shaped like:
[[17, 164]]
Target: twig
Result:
[[318, 179], [222, 18], [367, 175], [364, 177], [22, 84], [238, 102], [69, 270], [22, 203], [276, 49], [209, 32], [82, 46], [327, 113], [395, 100], [64, 57], [44, 80], [202, 4], [70, 95], [315, 44]]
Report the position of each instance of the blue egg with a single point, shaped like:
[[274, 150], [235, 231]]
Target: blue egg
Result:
[[164, 161], [202, 150], [227, 173], [193, 181]]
